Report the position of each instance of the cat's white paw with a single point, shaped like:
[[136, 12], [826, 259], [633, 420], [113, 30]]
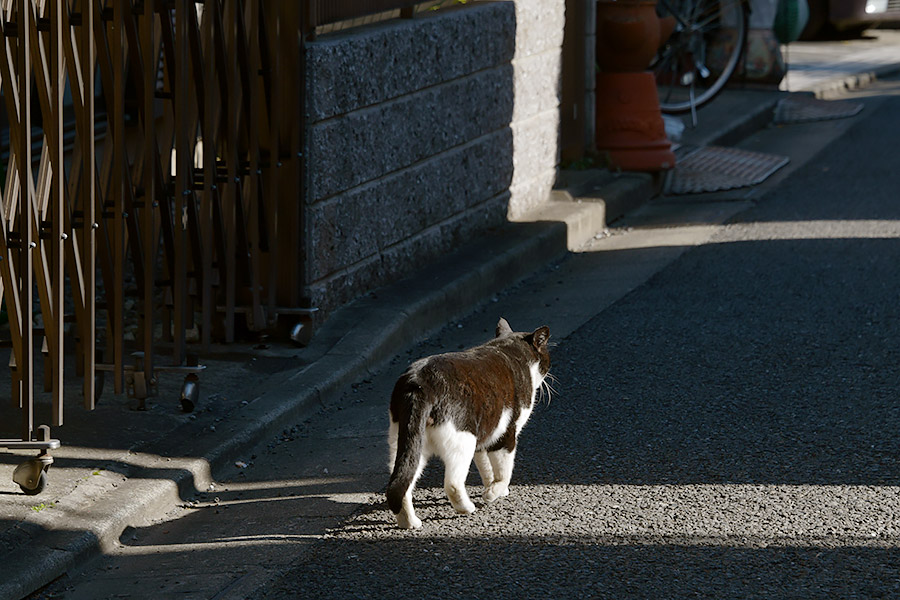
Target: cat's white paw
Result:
[[459, 499], [464, 508], [408, 521], [496, 490]]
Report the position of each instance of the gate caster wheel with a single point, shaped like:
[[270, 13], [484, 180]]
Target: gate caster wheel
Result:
[[190, 392], [31, 476]]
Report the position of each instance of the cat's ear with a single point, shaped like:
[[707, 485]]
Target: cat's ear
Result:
[[540, 337], [503, 327]]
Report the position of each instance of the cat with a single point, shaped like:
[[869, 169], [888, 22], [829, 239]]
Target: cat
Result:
[[460, 406]]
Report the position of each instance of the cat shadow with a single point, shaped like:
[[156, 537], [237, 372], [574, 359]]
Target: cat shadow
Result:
[[431, 505], [380, 520]]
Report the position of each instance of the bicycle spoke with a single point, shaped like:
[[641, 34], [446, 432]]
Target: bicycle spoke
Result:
[[701, 54], [672, 81], [702, 25], [693, 108], [667, 59], [715, 11], [678, 16], [705, 10]]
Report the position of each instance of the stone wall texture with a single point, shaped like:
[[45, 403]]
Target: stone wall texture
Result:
[[424, 133]]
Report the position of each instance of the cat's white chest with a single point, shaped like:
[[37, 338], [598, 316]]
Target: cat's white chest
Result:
[[523, 417], [536, 380]]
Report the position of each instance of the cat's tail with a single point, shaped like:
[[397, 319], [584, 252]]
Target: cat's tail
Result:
[[411, 410]]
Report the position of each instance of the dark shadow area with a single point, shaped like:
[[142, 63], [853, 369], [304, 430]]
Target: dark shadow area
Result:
[[21, 554], [548, 567], [234, 378], [244, 529]]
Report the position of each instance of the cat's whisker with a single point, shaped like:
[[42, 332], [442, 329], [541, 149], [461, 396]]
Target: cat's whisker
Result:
[[547, 388], [552, 381]]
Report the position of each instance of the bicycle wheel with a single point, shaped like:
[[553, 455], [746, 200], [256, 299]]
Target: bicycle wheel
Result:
[[703, 51]]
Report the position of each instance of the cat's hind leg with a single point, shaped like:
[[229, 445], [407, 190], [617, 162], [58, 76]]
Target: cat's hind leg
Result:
[[483, 463], [407, 518], [455, 474], [502, 464], [456, 449]]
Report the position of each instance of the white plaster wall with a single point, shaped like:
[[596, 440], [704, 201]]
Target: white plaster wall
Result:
[[536, 84]]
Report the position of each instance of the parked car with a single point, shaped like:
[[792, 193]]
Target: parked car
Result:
[[847, 18]]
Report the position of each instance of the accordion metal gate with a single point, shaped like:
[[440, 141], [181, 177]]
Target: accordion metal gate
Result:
[[153, 188]]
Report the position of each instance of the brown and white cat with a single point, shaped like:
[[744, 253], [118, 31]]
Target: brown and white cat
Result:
[[461, 405]]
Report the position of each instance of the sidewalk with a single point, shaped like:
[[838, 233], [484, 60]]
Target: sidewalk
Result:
[[829, 67], [118, 467]]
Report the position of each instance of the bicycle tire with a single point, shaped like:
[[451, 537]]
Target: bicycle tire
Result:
[[702, 52]]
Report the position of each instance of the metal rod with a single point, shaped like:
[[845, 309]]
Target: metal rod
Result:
[[148, 212], [331, 11], [25, 362], [232, 187], [183, 158], [273, 63], [290, 211], [210, 146], [88, 199], [57, 200], [116, 311], [254, 108]]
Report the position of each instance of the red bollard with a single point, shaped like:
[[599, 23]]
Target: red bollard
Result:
[[630, 128]]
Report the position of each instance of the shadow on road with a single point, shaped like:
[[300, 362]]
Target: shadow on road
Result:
[[565, 567]]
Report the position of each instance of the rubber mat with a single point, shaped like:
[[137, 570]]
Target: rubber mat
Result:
[[715, 169], [805, 109]]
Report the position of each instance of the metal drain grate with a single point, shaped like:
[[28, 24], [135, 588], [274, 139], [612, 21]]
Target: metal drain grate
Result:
[[714, 169], [805, 109]]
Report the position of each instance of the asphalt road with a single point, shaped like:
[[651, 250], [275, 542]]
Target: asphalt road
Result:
[[724, 422], [727, 429]]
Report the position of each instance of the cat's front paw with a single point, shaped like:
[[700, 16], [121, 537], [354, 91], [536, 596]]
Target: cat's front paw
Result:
[[464, 508], [494, 491], [408, 521]]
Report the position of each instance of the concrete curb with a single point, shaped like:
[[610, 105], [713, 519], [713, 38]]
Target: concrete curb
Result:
[[855, 81], [737, 126], [589, 209], [752, 122]]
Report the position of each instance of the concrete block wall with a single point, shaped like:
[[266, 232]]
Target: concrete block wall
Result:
[[422, 134]]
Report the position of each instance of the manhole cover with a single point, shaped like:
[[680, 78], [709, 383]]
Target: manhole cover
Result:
[[714, 169], [805, 109]]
